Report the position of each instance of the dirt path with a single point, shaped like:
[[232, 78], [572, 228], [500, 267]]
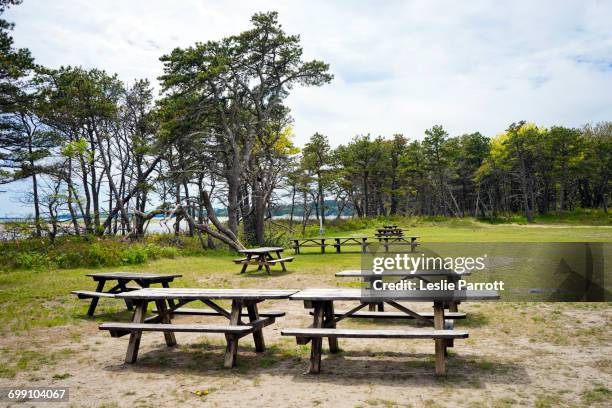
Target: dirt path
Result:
[[548, 354]]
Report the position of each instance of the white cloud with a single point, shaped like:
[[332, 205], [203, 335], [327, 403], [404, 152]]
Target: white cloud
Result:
[[400, 66]]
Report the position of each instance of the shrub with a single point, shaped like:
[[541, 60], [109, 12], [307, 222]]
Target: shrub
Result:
[[90, 251]]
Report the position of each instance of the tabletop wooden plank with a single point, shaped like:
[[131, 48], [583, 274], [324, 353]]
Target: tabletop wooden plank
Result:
[[261, 250], [132, 275], [197, 293], [314, 294], [356, 273]]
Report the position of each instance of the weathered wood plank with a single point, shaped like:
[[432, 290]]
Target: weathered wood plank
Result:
[[134, 343], [440, 342], [197, 293], [376, 333], [316, 344], [132, 275], [260, 344], [396, 315], [184, 328], [231, 350], [208, 312], [356, 273], [164, 317], [259, 251], [90, 294], [413, 296]]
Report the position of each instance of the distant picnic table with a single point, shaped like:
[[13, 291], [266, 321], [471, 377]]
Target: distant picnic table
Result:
[[263, 258], [389, 231], [143, 280], [325, 319], [391, 240], [161, 320], [323, 242]]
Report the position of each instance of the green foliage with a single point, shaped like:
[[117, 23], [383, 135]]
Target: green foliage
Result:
[[75, 252]]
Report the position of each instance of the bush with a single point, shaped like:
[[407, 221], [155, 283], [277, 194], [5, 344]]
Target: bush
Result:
[[89, 251]]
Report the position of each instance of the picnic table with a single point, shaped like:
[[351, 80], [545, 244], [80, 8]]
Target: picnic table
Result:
[[422, 274], [262, 257], [389, 231], [389, 240], [161, 320], [322, 242], [143, 280], [325, 319]]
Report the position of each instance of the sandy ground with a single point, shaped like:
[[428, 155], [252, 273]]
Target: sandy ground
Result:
[[542, 355]]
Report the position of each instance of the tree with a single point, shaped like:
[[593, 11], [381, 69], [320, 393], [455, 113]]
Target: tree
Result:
[[437, 161], [240, 83], [25, 142], [566, 147], [597, 164], [316, 157]]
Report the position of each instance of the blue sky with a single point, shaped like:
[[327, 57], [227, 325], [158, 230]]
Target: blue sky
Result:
[[400, 66]]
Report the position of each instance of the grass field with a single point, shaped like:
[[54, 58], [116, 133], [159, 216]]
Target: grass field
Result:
[[535, 354]]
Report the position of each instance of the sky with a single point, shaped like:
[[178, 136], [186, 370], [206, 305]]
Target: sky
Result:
[[399, 66]]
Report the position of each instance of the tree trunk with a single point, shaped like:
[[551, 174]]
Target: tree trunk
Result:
[[321, 198]]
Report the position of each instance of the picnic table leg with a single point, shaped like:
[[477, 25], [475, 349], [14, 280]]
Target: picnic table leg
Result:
[[166, 285], [164, 314], [246, 263], [440, 343], [260, 344], [316, 342], [94, 301], [328, 314], [128, 303], [134, 343], [231, 350], [452, 307], [282, 263], [263, 259]]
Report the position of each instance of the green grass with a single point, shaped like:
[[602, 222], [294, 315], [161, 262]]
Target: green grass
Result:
[[41, 298], [469, 230], [599, 394]]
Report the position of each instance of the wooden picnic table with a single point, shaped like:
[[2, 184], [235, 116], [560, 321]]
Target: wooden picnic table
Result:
[[323, 242], [143, 280], [325, 319], [262, 257], [389, 232], [162, 319], [422, 274], [388, 241]]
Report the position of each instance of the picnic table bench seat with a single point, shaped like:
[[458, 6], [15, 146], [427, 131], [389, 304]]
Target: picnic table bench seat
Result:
[[90, 294], [285, 259], [315, 334], [210, 312], [117, 329], [397, 315], [376, 333]]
